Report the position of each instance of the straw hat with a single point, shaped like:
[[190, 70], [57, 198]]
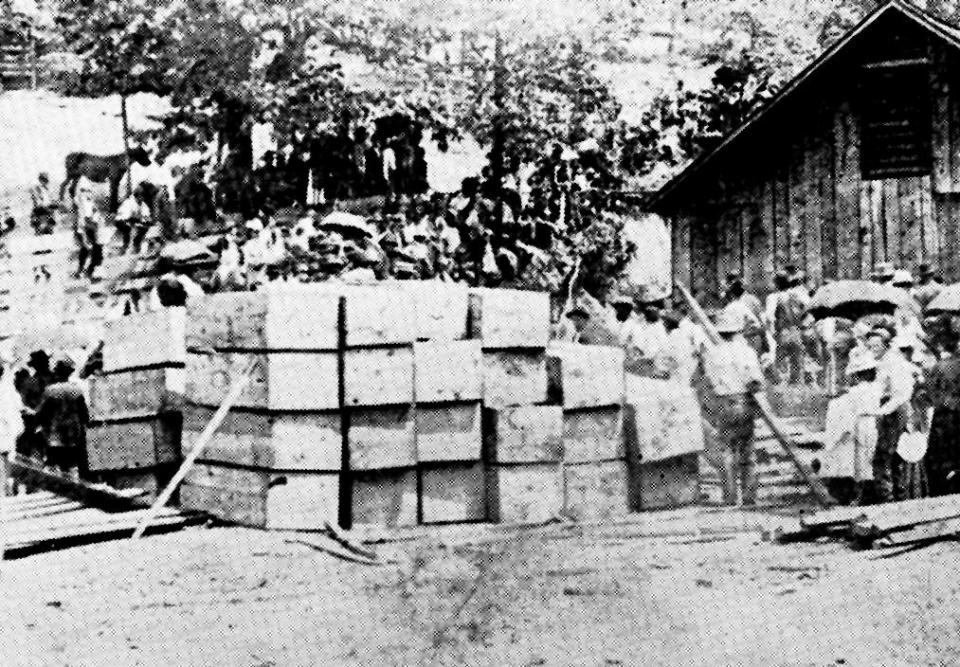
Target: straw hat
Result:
[[902, 277]]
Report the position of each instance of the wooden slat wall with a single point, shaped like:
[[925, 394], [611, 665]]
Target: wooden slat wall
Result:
[[681, 248], [846, 157], [804, 201]]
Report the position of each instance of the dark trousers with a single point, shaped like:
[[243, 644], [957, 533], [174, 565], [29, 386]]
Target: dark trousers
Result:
[[888, 469], [91, 255], [735, 430], [790, 356]]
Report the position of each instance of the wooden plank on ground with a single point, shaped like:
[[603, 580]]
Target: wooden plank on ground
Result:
[[95, 495]]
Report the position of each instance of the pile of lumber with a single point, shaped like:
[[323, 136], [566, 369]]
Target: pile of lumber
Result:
[[904, 523], [397, 405], [135, 405]]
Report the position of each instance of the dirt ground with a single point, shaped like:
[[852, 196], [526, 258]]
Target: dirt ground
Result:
[[694, 589]]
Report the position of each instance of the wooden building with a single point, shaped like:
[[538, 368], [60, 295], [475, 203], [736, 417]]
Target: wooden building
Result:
[[855, 161]]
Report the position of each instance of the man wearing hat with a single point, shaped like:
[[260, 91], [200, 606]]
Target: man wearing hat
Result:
[[644, 337], [623, 312], [785, 313], [896, 378], [928, 286], [732, 370], [745, 308], [62, 418]]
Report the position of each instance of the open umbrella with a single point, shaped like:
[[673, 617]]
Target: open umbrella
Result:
[[947, 301], [852, 299], [346, 223]]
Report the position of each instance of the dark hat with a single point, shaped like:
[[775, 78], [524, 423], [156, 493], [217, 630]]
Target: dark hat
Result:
[[578, 311], [621, 300], [925, 270], [38, 356]]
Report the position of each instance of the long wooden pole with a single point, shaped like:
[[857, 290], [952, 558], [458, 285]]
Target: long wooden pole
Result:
[[235, 390], [818, 488]]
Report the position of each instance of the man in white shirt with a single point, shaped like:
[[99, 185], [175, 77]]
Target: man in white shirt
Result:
[[644, 337], [131, 220], [896, 378], [733, 372]]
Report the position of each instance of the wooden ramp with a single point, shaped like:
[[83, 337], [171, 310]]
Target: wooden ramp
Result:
[[45, 521]]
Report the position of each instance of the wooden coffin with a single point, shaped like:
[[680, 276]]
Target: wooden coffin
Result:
[[525, 434], [384, 498], [136, 393], [504, 318], [593, 434], [447, 371], [144, 340], [453, 493], [531, 493], [585, 376], [448, 432], [381, 438], [514, 378], [378, 376], [593, 491], [136, 444]]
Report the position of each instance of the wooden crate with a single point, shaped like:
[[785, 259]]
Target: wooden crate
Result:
[[137, 444], [585, 376], [503, 318], [379, 315], [514, 377], [289, 317], [441, 310], [595, 490], [291, 441], [447, 371], [282, 381], [593, 434], [136, 393], [386, 498], [143, 340], [381, 438], [448, 432], [378, 376], [453, 493], [283, 501], [666, 483], [530, 493], [524, 434]]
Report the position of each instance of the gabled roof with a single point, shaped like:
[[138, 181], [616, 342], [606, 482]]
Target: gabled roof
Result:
[[933, 25]]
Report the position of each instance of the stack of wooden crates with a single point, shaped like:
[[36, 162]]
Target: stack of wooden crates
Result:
[[398, 404], [135, 404]]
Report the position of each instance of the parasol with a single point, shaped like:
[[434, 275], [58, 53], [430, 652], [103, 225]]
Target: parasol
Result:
[[853, 299], [346, 223], [947, 301]]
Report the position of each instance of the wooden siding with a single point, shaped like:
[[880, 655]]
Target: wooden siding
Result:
[[800, 198]]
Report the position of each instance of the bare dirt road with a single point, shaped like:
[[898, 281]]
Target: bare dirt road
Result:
[[554, 596]]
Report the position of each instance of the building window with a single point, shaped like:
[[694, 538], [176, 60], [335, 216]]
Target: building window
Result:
[[895, 122]]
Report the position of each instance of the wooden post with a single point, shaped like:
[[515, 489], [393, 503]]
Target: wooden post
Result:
[[819, 490], [235, 390], [4, 481], [125, 123]]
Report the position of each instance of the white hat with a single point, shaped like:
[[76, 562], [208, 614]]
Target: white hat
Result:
[[905, 341], [255, 225], [902, 277], [726, 323]]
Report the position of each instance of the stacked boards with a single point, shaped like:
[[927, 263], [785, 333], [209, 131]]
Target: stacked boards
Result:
[[394, 405], [135, 404]]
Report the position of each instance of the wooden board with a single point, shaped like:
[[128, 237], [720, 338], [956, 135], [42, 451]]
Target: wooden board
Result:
[[135, 444], [143, 340], [292, 441], [136, 393], [386, 498], [665, 484], [378, 376], [585, 376], [662, 419], [441, 310], [381, 438], [447, 371], [281, 381], [595, 490], [453, 493], [303, 317], [680, 247], [593, 434], [503, 318], [514, 378], [530, 493], [448, 432], [846, 159], [523, 434], [379, 315]]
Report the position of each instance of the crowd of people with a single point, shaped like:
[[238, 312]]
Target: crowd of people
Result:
[[891, 375]]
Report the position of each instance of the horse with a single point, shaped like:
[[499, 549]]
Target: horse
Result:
[[101, 169]]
